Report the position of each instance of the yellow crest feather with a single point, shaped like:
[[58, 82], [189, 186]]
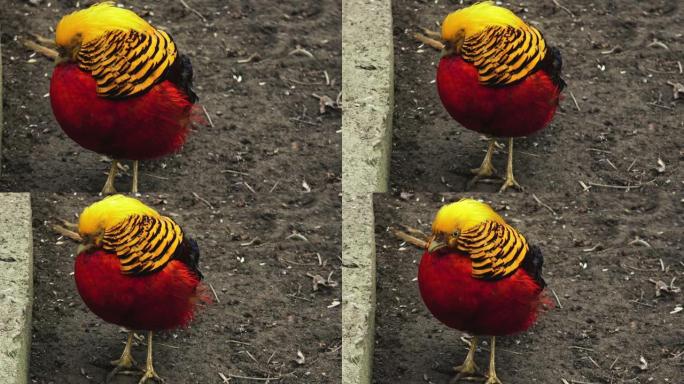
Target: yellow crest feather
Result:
[[463, 215], [110, 211], [471, 20], [88, 24]]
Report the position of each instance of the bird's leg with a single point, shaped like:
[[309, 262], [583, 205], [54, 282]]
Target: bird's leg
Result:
[[491, 374], [510, 180], [108, 188], [134, 189], [486, 169], [468, 370], [150, 374], [125, 364]]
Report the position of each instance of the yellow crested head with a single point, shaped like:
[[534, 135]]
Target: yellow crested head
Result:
[[463, 215], [469, 21], [88, 24], [108, 212]]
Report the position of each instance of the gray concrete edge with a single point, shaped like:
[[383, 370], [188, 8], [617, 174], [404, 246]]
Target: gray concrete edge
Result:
[[16, 286], [368, 103]]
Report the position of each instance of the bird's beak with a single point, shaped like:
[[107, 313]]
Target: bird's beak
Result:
[[434, 244]]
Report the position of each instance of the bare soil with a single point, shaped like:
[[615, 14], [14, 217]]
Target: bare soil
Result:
[[257, 259], [267, 125], [618, 57], [608, 325]]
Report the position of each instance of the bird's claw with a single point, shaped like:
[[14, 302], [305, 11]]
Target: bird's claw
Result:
[[150, 375], [108, 189], [511, 183], [467, 371], [493, 380], [123, 369], [467, 377]]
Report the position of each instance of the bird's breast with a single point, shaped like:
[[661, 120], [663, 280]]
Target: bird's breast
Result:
[[505, 111], [141, 127], [478, 306], [157, 301]]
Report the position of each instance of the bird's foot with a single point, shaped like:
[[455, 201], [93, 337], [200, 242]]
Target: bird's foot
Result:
[[467, 371], [485, 171], [123, 366], [150, 376], [480, 175], [493, 380], [108, 188], [510, 183]]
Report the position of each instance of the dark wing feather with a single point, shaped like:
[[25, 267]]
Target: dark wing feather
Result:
[[533, 263], [180, 73]]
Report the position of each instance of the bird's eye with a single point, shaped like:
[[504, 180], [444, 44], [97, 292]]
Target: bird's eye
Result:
[[455, 233]]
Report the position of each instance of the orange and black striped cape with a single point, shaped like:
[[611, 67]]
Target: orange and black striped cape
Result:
[[129, 63], [145, 244], [497, 250], [505, 55]]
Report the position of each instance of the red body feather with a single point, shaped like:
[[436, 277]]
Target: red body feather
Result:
[[140, 127], [163, 300], [506, 111], [477, 306]]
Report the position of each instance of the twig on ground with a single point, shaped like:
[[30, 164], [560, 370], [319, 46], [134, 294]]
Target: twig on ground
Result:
[[620, 186], [438, 45], [215, 295], [235, 172], [276, 378], [205, 201], [250, 58], [301, 51], [45, 51], [67, 233], [557, 299], [204, 19], [409, 239], [543, 205], [211, 123], [640, 241], [575, 101], [563, 8]]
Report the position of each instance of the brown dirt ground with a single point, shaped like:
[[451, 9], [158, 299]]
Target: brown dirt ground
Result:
[[267, 311], [267, 126], [609, 318], [627, 118]]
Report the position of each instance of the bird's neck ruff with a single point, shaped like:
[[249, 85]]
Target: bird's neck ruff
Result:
[[110, 211], [86, 25], [472, 20]]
